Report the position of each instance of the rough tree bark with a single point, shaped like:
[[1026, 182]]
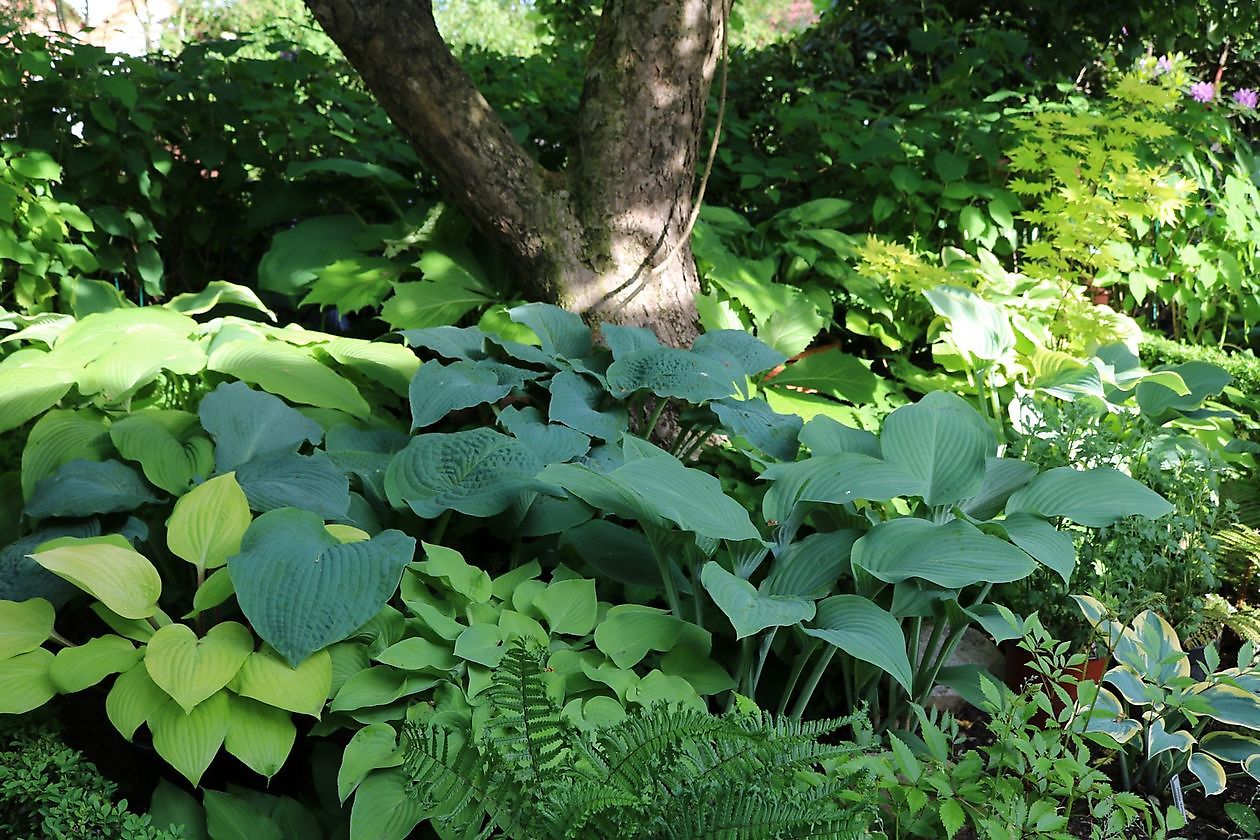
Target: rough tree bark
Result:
[[592, 238]]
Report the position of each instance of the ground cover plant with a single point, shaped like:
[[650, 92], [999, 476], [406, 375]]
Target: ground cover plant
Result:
[[313, 524]]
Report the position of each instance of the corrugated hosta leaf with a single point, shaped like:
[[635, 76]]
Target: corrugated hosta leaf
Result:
[[864, 631], [752, 355], [288, 371], [478, 472], [944, 442], [246, 423], [953, 555], [307, 482], [82, 488], [302, 590], [671, 372], [1094, 498]]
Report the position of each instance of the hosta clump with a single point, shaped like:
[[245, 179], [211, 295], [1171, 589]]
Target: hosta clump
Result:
[[660, 772]]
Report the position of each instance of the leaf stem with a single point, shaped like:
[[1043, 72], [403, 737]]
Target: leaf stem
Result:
[[60, 639], [811, 684]]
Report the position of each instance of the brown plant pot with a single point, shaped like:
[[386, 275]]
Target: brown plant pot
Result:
[[1019, 672]]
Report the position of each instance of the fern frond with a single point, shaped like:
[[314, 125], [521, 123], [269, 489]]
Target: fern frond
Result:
[[633, 747], [741, 814], [529, 729]]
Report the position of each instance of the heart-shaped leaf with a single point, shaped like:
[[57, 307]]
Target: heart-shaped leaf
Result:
[[190, 741], [302, 590], [191, 669], [260, 736], [671, 372], [750, 611], [308, 482], [269, 679], [575, 402], [208, 522], [246, 423], [437, 390]]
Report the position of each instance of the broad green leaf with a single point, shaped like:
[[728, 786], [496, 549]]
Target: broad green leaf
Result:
[[826, 436], [830, 372], [261, 736], [288, 371], [24, 682], [82, 488], [619, 553], [418, 654], [835, 479], [437, 390], [24, 625], [133, 699], [27, 392], [864, 631], [353, 168], [1048, 545], [77, 668], [551, 442], [1204, 380], [340, 586], [353, 283], [575, 402], [1002, 477], [173, 809], [384, 807], [623, 340], [287, 480], [670, 372], [568, 606], [246, 423], [1230, 746], [1208, 771], [793, 324], [370, 687], [465, 343], [190, 741], [208, 522], [560, 332], [191, 669], [231, 817], [372, 747], [392, 365], [953, 555], [449, 566], [216, 293], [481, 643], [944, 442], [1094, 498], [58, 438], [430, 304], [629, 631], [1159, 739], [296, 254], [809, 568], [752, 355], [773, 433], [750, 611], [136, 357], [478, 472], [978, 328], [168, 445], [697, 667], [267, 678], [213, 591], [1232, 705], [120, 578]]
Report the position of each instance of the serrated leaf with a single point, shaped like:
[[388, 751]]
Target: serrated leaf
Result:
[[353, 283], [830, 372], [428, 303]]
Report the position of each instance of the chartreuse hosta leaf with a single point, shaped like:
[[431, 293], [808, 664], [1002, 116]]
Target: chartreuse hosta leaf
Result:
[[942, 441], [191, 669], [108, 569], [857, 626], [83, 666], [302, 589], [132, 700], [27, 392], [629, 631], [267, 678], [953, 555], [208, 522], [190, 741], [448, 565], [290, 372], [169, 446], [24, 625], [261, 736], [25, 683], [478, 472], [1094, 498], [750, 611]]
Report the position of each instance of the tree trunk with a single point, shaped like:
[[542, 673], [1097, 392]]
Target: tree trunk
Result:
[[607, 237]]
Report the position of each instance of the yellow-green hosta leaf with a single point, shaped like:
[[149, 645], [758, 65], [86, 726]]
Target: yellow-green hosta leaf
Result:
[[59, 437], [213, 591], [83, 666], [208, 522], [120, 578], [132, 700], [191, 669], [384, 807], [24, 625], [372, 747], [290, 372], [261, 736], [136, 358], [24, 682], [26, 392], [189, 742], [169, 446], [267, 678]]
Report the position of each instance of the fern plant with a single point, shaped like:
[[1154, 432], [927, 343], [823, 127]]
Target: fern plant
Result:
[[662, 772]]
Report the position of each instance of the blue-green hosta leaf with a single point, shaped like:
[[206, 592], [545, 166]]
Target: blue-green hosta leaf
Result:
[[82, 488], [246, 423], [835, 479], [1159, 739], [976, 327], [1208, 771], [658, 490], [302, 590], [864, 631], [1204, 380], [1230, 746], [1094, 498], [1002, 477], [831, 372], [287, 371], [619, 553], [671, 372], [750, 611], [169, 446], [478, 472], [436, 390], [463, 343], [774, 434], [60, 437], [623, 340], [752, 355], [810, 567], [551, 442], [21, 578], [560, 332], [1048, 545], [944, 442], [575, 403], [307, 482], [953, 555], [826, 436]]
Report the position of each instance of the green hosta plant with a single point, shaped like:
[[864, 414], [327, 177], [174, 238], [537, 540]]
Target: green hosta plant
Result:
[[1162, 718]]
